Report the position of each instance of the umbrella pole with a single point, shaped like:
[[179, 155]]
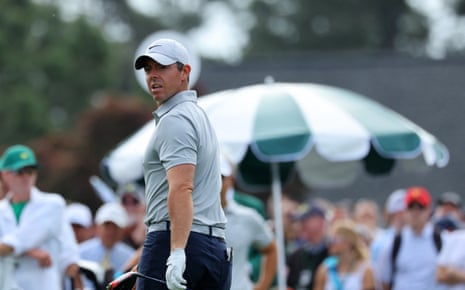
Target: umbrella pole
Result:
[[278, 223]]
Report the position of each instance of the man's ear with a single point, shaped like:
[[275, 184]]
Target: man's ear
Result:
[[186, 69]]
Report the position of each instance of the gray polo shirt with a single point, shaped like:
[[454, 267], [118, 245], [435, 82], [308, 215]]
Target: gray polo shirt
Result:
[[183, 135]]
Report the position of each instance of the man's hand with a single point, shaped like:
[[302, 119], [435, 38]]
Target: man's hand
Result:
[[41, 256], [176, 265], [5, 249]]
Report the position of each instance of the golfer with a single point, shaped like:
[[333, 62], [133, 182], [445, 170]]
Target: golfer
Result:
[[186, 225]]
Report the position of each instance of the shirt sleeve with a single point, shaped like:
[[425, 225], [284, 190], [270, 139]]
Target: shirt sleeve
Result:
[[384, 267], [447, 251], [69, 250], [264, 235], [177, 141]]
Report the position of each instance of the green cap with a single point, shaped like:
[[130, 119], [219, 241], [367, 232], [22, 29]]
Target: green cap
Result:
[[17, 157]]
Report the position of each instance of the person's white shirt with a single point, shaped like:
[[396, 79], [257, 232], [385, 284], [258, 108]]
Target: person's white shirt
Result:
[[453, 255], [69, 251], [377, 247], [7, 268], [352, 281], [40, 226], [246, 228], [415, 262]]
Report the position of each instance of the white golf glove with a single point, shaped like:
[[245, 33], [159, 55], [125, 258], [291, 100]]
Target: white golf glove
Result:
[[176, 265]]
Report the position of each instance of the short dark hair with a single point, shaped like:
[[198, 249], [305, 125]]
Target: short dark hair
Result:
[[180, 65]]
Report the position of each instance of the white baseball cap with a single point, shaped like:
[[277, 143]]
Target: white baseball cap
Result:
[[133, 189], [112, 212], [79, 214], [396, 201], [164, 51]]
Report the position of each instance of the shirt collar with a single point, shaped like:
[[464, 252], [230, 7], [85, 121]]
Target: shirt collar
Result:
[[426, 232], [181, 97], [33, 195]]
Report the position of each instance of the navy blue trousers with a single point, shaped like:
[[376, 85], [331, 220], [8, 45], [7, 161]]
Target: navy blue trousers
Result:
[[208, 265]]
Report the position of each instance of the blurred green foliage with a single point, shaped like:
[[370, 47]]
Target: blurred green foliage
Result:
[[53, 69], [50, 69], [54, 73]]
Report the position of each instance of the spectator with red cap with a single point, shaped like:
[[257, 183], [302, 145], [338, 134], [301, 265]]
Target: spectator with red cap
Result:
[[409, 261]]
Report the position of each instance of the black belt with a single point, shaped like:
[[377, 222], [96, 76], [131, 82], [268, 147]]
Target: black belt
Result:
[[211, 231]]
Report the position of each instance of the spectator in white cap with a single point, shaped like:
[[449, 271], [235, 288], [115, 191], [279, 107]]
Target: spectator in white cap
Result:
[[131, 197], [448, 214], [80, 217], [395, 209], [394, 212], [449, 204], [107, 248]]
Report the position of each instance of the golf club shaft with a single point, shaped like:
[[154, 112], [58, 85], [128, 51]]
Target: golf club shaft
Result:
[[151, 278]]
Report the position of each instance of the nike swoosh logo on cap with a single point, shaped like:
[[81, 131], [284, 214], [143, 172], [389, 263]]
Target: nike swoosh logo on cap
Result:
[[154, 46]]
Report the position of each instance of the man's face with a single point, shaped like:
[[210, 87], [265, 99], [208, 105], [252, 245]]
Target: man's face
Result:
[[109, 233], [313, 227], [20, 182], [449, 208], [418, 215], [164, 81]]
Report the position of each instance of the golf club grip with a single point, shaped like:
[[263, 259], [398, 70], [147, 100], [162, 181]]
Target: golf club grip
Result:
[[123, 282]]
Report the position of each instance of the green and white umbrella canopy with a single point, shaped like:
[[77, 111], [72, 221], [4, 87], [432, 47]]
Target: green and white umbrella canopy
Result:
[[274, 130], [325, 134]]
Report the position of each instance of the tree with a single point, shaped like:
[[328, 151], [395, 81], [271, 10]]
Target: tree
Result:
[[50, 70], [68, 159], [326, 25]]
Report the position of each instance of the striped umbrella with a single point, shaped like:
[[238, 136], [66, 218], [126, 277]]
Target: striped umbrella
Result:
[[274, 130], [325, 134]]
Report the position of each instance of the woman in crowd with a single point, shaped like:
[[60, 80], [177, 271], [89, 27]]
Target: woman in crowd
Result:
[[348, 267]]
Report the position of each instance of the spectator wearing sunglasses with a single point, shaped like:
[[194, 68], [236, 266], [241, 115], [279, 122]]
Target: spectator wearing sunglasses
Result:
[[448, 213], [409, 261], [131, 197], [33, 229]]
